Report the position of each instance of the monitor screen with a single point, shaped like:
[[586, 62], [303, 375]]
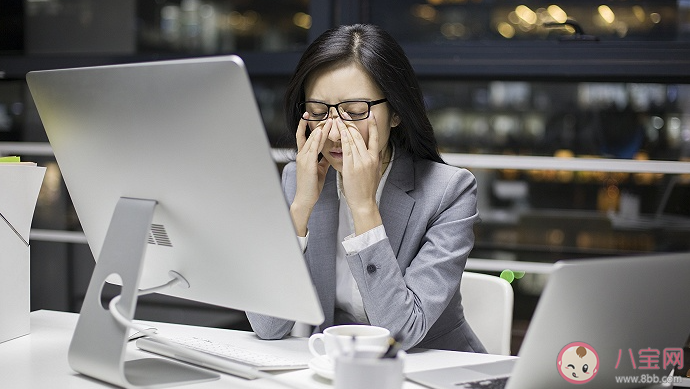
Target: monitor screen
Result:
[[188, 135]]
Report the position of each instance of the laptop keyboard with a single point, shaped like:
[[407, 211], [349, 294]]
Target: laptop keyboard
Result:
[[493, 383]]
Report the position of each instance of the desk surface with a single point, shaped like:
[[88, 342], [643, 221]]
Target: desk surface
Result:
[[39, 360]]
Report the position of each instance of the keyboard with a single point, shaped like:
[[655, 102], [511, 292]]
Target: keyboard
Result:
[[491, 383], [220, 356]]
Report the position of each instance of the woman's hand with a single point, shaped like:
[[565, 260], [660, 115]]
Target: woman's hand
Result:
[[311, 172], [361, 173]]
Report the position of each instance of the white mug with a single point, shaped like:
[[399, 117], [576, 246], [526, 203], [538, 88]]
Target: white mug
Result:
[[346, 339]]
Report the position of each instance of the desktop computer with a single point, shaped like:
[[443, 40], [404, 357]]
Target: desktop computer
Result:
[[170, 172]]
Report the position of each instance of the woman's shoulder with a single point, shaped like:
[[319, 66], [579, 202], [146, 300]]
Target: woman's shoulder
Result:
[[432, 171], [290, 167], [289, 177], [438, 186]]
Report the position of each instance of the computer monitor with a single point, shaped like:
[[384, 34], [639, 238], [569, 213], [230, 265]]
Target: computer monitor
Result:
[[169, 168]]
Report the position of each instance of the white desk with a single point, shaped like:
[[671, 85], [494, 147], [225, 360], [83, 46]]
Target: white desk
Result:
[[39, 360]]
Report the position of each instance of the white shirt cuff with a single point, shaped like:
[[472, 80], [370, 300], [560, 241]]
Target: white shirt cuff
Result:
[[354, 244], [303, 242]]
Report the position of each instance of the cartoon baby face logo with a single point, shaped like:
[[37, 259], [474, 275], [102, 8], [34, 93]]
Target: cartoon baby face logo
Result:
[[578, 363]]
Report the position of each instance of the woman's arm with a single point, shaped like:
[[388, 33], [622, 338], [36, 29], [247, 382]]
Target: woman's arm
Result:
[[268, 327], [409, 304]]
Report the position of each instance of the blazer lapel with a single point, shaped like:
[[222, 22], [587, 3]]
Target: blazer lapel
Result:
[[396, 205]]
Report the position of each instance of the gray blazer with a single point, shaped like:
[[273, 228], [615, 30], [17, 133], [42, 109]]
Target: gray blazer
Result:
[[410, 282]]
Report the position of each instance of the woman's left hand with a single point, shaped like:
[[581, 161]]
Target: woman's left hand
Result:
[[361, 173]]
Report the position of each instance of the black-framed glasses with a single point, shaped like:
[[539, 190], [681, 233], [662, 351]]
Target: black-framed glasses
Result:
[[351, 110]]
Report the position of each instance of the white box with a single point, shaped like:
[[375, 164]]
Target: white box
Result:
[[19, 188]]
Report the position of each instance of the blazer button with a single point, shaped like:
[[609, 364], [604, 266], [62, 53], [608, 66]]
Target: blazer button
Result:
[[371, 269]]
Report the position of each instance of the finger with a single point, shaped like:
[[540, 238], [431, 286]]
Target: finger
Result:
[[311, 145], [315, 140], [343, 128], [355, 139], [348, 121], [346, 143], [301, 132], [373, 134], [324, 164], [326, 130]]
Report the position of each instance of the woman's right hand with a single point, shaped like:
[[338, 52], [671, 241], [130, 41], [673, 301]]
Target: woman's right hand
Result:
[[311, 173]]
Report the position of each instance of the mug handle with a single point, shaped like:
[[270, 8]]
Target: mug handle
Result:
[[312, 340]]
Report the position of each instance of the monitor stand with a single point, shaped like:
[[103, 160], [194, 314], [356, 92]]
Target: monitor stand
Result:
[[99, 343]]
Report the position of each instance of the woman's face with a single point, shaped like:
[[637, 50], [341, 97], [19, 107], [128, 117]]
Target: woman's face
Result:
[[342, 83]]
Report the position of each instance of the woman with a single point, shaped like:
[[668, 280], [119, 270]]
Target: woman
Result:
[[385, 225]]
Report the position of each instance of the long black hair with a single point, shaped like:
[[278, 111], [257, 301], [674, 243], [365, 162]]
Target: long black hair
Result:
[[385, 61]]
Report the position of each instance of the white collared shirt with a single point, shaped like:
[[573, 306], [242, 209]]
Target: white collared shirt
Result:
[[347, 296]]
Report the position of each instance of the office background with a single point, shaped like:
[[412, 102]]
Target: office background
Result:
[[510, 78]]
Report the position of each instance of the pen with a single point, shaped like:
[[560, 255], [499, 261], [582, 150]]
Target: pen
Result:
[[393, 348]]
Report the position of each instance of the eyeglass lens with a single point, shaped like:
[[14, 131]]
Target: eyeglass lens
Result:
[[349, 110]]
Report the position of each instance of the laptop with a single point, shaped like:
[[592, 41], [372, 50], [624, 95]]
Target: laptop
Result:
[[607, 323]]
